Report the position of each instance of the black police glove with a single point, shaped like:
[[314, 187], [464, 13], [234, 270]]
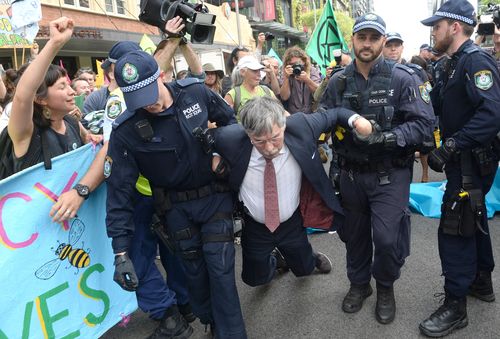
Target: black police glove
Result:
[[378, 138], [440, 156], [125, 273]]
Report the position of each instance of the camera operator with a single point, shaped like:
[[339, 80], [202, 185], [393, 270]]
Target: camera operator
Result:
[[300, 81]]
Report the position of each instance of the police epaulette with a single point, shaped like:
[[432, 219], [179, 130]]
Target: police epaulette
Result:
[[414, 66], [405, 68], [472, 48], [122, 118], [188, 82]]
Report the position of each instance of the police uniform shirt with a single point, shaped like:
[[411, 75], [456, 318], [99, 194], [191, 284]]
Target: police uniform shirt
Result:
[[407, 94], [288, 182], [470, 97], [167, 154]]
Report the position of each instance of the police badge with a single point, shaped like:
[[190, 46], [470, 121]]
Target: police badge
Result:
[[483, 80], [424, 93]]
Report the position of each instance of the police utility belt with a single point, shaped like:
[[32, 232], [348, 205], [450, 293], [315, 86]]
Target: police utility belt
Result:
[[463, 213]]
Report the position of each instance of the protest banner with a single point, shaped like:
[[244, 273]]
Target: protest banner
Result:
[[57, 278]]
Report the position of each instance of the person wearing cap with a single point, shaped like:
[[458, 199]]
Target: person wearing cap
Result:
[[393, 47], [425, 52], [162, 135], [236, 54], [213, 77], [299, 81], [470, 120], [376, 170], [393, 50], [250, 70], [97, 100], [154, 295]]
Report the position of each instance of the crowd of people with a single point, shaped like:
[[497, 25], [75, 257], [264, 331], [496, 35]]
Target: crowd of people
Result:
[[185, 154]]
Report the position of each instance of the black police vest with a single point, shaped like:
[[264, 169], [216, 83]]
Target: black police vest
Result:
[[371, 103]]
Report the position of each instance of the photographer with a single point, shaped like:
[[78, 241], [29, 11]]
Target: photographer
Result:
[[300, 81]]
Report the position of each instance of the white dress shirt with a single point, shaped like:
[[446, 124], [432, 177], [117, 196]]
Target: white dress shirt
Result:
[[288, 180]]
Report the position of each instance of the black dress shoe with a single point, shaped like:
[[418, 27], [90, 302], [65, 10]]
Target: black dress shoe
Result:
[[281, 265], [385, 310], [353, 301], [322, 263], [448, 317], [187, 312], [482, 288]]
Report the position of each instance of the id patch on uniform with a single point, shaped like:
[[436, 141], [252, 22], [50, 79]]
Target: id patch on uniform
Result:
[[424, 93], [113, 109], [108, 163], [483, 79]]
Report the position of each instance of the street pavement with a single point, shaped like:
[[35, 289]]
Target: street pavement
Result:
[[310, 307]]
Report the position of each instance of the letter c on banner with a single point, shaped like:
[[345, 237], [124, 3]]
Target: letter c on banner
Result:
[[4, 238]]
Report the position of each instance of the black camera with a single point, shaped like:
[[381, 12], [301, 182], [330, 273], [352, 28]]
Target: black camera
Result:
[[297, 69], [206, 139], [269, 36], [489, 20], [199, 23]]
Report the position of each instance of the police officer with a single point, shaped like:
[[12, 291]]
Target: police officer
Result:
[[375, 178], [469, 120], [154, 136]]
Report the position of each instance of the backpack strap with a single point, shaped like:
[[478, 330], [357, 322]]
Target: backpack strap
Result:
[[47, 161], [237, 99], [266, 89]]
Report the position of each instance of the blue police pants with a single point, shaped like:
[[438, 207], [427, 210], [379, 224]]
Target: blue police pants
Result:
[[257, 243], [209, 264], [153, 294], [461, 258], [377, 225]]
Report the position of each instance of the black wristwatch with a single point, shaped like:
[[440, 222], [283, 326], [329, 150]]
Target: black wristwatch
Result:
[[451, 144], [82, 190]]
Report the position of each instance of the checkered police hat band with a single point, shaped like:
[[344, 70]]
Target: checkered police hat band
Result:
[[141, 84], [360, 26], [455, 17]]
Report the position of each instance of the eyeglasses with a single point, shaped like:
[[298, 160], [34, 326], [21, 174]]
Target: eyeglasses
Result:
[[275, 141]]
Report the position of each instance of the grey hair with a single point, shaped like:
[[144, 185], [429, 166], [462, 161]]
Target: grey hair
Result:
[[236, 77], [259, 115]]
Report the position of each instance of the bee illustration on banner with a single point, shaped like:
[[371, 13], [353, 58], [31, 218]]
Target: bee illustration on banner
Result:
[[77, 257]]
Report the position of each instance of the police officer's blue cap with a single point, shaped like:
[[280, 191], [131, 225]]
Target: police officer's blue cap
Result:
[[136, 73], [426, 47], [369, 20], [393, 36], [118, 50], [460, 10]]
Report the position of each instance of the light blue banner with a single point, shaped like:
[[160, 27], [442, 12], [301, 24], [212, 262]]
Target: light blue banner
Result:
[[56, 278], [426, 198]]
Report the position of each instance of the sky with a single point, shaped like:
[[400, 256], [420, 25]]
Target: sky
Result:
[[403, 16]]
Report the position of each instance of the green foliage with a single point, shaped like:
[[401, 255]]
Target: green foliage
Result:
[[296, 9], [280, 17]]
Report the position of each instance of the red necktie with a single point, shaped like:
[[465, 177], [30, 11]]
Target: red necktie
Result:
[[272, 212]]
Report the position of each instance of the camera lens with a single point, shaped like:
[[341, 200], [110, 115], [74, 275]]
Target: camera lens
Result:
[[297, 69]]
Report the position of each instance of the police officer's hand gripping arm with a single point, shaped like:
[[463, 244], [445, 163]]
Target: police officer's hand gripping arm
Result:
[[413, 101]]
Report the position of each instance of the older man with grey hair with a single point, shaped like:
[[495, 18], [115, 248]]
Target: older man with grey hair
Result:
[[272, 159]]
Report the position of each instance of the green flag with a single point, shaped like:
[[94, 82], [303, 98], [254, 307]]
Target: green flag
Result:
[[325, 39]]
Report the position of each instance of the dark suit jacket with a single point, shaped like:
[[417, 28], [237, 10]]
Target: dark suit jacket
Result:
[[301, 135]]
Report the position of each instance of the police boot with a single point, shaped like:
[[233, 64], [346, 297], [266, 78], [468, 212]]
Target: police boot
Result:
[[385, 310], [281, 265], [482, 287], [353, 301], [172, 326], [448, 317]]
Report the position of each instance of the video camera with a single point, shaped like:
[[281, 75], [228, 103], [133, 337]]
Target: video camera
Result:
[[199, 23], [488, 20]]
